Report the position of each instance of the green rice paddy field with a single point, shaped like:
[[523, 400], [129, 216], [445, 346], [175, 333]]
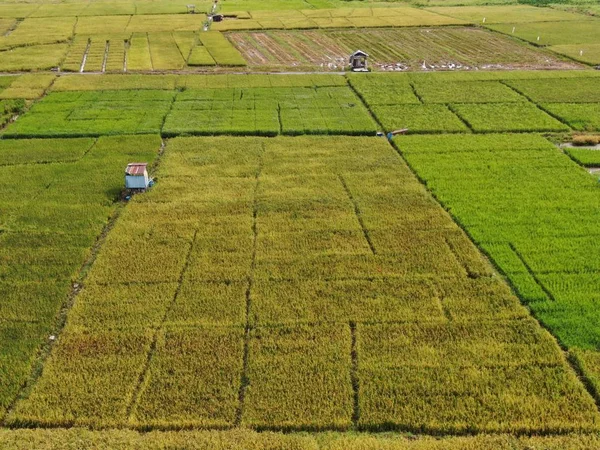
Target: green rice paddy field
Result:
[[294, 279]]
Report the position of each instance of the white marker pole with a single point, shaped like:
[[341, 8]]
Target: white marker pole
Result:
[[580, 52], [514, 30], [538, 39], [484, 20]]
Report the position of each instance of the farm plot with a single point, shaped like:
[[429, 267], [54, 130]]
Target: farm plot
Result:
[[587, 53], [585, 157], [94, 114], [29, 86], [580, 31], [333, 18], [507, 14], [50, 219], [98, 53], [268, 111], [34, 57], [253, 284], [27, 32], [445, 48], [112, 82], [534, 211], [426, 105]]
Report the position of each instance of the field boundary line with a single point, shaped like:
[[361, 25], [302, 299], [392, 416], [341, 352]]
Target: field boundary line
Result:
[[358, 214], [105, 58], [61, 318], [354, 370], [531, 272], [84, 57], [364, 102], [414, 89], [538, 106], [13, 27], [244, 380], [461, 118], [137, 392]]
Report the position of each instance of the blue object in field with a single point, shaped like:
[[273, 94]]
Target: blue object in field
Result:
[[151, 183], [390, 136], [128, 198]]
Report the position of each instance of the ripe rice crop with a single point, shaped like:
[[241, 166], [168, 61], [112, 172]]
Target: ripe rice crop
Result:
[[587, 53], [506, 14], [221, 49], [316, 248], [286, 363], [582, 30], [164, 52], [138, 53], [56, 29], [193, 379], [467, 92], [200, 57], [165, 22], [34, 57], [254, 440], [28, 151]]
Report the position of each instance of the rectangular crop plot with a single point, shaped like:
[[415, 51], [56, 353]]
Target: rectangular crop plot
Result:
[[94, 113], [299, 377], [466, 92], [566, 90], [260, 111], [506, 14], [507, 117], [194, 379], [585, 157], [582, 30], [400, 299], [579, 116], [587, 53], [84, 368], [420, 119], [489, 376]]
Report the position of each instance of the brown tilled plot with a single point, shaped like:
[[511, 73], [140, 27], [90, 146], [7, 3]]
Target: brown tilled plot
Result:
[[447, 48]]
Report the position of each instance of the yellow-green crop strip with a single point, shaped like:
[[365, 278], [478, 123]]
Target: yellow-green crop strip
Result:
[[239, 293]]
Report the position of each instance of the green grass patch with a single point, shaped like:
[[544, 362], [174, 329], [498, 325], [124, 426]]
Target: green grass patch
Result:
[[507, 117], [419, 118], [579, 116]]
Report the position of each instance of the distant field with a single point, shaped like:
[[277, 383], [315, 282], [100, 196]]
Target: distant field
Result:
[[335, 18], [445, 48], [578, 39], [506, 14]]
